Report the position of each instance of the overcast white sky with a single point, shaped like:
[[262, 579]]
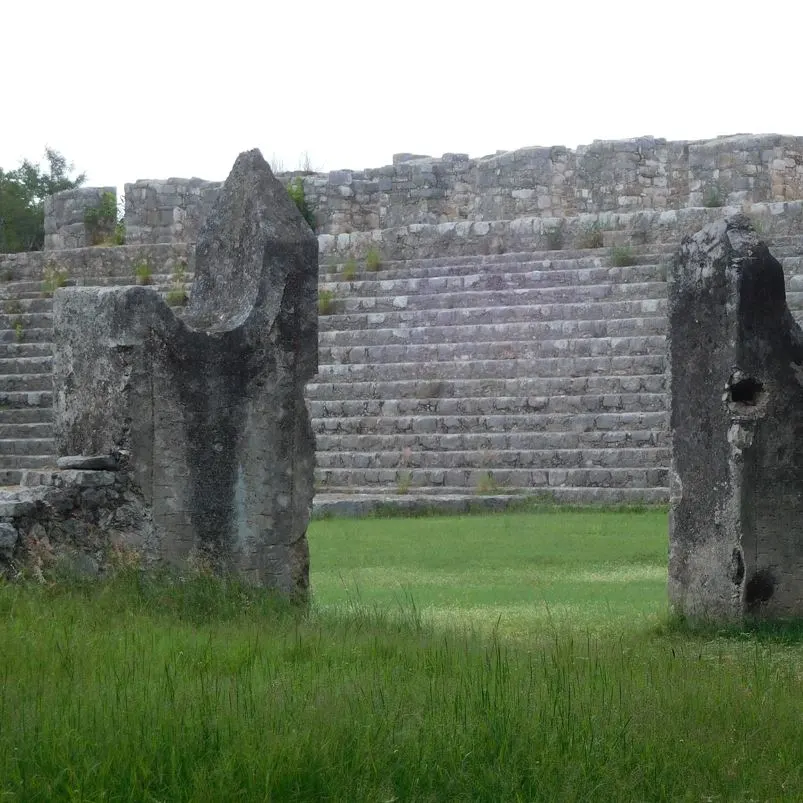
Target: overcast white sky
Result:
[[152, 89]]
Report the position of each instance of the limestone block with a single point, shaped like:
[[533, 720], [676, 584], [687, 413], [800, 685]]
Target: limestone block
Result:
[[206, 414], [736, 418]]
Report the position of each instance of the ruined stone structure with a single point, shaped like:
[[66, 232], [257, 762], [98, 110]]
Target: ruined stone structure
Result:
[[485, 358], [736, 417], [625, 176], [194, 427]]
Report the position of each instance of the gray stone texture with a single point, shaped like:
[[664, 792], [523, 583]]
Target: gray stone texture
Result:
[[643, 174], [65, 213], [736, 418], [206, 414]]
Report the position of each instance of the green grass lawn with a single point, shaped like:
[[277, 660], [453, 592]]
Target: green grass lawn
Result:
[[488, 658], [519, 572]]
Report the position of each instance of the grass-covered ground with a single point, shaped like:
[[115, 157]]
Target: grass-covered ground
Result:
[[509, 657]]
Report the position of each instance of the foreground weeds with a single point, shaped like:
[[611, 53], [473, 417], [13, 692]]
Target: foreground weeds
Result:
[[146, 689]]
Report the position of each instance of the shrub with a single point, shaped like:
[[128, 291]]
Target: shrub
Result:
[[13, 307], [53, 278], [403, 482], [19, 331], [554, 238], [177, 295], [373, 259], [143, 273], [591, 236], [486, 484], [296, 191], [326, 302], [713, 198], [350, 269], [101, 221], [622, 256]]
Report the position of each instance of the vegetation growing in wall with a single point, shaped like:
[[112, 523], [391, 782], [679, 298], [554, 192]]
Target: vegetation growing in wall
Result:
[[373, 259], [143, 273], [326, 302], [622, 256], [591, 236], [22, 195], [53, 277], [101, 220], [296, 191], [554, 237], [177, 295], [713, 198], [350, 269]]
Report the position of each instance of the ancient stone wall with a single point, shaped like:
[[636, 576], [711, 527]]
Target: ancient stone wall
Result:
[[606, 176], [167, 211], [65, 216]]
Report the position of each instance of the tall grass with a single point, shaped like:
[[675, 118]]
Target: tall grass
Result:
[[155, 689]]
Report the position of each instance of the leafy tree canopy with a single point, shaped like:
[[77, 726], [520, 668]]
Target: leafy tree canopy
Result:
[[22, 195]]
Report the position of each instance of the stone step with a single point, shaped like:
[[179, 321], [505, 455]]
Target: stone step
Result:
[[10, 477], [26, 447], [26, 399], [496, 314], [479, 333], [482, 416], [409, 444], [16, 461], [448, 396], [33, 320], [495, 369], [14, 350], [547, 295], [515, 349], [25, 365], [502, 263], [25, 415], [37, 429], [518, 280], [524, 419], [10, 383], [488, 479], [26, 335], [354, 501], [14, 305], [481, 459]]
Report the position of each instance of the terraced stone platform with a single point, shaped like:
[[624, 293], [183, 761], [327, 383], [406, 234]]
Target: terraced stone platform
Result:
[[478, 378]]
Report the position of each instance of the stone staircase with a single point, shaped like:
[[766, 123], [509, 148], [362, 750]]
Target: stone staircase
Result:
[[463, 377]]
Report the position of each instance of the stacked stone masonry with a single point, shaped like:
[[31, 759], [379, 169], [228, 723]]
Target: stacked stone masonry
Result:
[[627, 175], [485, 356]]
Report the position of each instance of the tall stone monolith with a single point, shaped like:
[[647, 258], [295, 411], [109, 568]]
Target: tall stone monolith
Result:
[[736, 499], [205, 413]]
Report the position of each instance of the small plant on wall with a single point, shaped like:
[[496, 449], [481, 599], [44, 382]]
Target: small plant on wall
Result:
[[143, 273], [52, 279], [177, 295], [296, 191], [326, 302], [101, 221], [373, 259]]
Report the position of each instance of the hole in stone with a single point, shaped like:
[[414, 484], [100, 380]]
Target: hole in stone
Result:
[[760, 589], [745, 390]]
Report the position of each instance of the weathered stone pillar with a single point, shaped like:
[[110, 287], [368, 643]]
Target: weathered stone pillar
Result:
[[736, 517], [206, 415]]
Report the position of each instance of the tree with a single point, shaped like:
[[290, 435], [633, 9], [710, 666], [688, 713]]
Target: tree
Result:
[[22, 195]]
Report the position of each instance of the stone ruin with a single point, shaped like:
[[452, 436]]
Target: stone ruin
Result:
[[186, 441], [736, 496]]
